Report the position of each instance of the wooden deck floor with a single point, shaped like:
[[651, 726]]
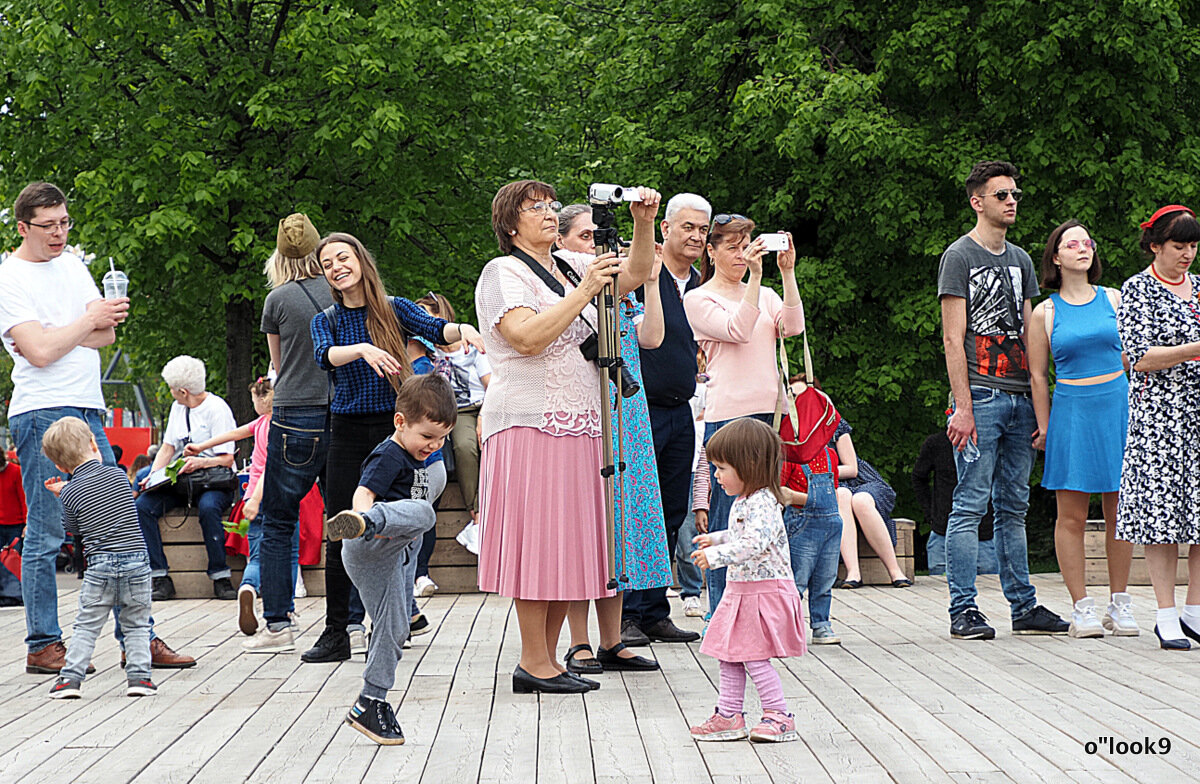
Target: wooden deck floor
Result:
[[898, 701]]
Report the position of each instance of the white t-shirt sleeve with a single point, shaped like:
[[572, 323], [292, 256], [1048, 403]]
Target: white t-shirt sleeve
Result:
[[16, 303], [176, 430]]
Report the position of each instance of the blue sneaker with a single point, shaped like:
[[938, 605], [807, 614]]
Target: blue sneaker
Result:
[[823, 635]]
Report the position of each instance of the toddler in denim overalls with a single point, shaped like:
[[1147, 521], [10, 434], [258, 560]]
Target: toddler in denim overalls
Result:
[[814, 536]]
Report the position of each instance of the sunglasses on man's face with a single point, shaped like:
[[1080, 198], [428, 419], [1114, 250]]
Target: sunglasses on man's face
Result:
[[1003, 194]]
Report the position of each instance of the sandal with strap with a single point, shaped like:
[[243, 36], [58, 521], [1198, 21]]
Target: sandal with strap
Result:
[[609, 659], [585, 666]]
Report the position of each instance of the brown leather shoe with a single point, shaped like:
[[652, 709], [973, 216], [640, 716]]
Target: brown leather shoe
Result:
[[163, 658], [49, 660]]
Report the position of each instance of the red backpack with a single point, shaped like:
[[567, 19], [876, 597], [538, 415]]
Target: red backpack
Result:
[[807, 421]]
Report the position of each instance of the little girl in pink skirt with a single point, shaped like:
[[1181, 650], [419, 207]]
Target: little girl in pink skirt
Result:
[[759, 617]]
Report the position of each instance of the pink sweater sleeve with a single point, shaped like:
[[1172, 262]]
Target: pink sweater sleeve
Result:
[[711, 320], [790, 320]]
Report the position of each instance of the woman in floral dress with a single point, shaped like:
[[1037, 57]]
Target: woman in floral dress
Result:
[[1159, 502]]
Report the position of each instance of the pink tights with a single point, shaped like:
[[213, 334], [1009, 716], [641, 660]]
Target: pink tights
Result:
[[733, 686]]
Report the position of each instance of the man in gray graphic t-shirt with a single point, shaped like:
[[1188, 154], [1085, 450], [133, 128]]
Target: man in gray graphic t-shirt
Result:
[[986, 284]]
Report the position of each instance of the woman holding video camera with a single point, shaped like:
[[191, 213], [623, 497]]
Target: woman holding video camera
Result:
[[737, 321], [541, 501]]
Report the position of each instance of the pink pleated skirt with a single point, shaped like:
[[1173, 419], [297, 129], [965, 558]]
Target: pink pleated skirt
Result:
[[755, 621], [541, 517]]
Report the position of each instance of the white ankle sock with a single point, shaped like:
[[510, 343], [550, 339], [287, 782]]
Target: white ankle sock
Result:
[[1168, 624], [1191, 616]]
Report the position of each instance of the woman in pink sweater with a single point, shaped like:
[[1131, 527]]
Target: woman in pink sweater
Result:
[[736, 321]]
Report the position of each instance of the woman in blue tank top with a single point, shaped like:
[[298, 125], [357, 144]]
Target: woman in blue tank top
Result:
[[1083, 434]]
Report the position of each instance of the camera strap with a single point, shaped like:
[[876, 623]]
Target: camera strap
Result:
[[543, 273]]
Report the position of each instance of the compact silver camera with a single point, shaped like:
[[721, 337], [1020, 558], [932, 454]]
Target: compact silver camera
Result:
[[603, 193]]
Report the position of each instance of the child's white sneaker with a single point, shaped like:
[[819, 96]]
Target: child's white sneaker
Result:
[[1084, 622], [301, 590], [424, 586], [1119, 618], [358, 641], [692, 608]]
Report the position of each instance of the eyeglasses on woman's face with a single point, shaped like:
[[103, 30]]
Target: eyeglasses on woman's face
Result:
[[543, 207]]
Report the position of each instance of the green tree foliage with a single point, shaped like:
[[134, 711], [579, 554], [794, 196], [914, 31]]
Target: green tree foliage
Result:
[[185, 129]]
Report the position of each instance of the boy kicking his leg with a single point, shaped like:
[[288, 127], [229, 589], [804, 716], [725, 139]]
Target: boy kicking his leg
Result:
[[392, 510], [97, 504]]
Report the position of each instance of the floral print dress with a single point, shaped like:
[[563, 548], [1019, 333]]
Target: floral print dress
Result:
[[1160, 475], [645, 534]]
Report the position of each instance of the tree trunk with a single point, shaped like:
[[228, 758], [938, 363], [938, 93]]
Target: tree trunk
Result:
[[239, 362]]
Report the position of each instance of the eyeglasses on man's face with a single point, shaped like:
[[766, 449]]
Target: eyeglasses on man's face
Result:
[[54, 228], [1004, 193]]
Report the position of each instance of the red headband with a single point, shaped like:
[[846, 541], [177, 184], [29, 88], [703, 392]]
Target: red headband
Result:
[[1164, 211]]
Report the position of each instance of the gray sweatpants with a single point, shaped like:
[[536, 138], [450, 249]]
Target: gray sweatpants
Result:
[[383, 566]]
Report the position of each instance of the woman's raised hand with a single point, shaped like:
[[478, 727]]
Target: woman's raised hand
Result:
[[599, 273], [383, 363], [647, 208], [787, 258], [753, 256]]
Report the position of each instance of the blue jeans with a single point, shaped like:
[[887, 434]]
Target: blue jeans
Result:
[[1005, 423], [690, 581], [252, 574], [815, 537], [44, 533], [718, 511], [113, 581], [935, 555], [210, 508], [296, 446]]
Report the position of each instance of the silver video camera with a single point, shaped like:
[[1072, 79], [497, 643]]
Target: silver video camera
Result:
[[603, 193]]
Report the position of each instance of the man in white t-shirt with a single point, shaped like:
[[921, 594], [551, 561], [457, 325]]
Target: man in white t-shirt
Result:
[[52, 320]]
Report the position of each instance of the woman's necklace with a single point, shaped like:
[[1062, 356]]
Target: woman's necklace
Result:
[[1166, 282]]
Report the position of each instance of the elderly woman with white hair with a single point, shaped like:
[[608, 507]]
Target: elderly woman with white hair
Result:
[[196, 416]]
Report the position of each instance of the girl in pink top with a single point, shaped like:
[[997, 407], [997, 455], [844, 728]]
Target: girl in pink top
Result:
[[736, 321]]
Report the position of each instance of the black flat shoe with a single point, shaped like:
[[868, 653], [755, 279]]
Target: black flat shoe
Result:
[[591, 684], [609, 659], [903, 582], [666, 631], [1172, 645], [524, 683], [850, 584], [1188, 631], [585, 666]]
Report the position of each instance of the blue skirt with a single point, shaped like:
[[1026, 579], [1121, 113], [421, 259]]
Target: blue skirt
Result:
[[1085, 440]]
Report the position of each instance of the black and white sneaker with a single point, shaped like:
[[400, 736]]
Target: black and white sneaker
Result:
[[143, 687], [1039, 620], [419, 625], [375, 719], [65, 689], [970, 624], [345, 525]]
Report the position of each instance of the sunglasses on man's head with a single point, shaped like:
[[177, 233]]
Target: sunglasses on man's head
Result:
[[1003, 194]]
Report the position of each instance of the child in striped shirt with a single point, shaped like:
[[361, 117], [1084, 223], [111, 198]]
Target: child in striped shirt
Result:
[[97, 504]]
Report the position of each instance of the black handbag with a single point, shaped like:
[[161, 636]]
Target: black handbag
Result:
[[194, 483]]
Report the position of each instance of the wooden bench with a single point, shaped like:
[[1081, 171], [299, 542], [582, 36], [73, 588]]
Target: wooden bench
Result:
[[1096, 562], [873, 570], [183, 545]]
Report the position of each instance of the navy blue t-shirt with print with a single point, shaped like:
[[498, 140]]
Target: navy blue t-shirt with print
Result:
[[392, 474]]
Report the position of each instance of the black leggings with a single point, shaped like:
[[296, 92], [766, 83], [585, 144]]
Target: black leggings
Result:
[[352, 437]]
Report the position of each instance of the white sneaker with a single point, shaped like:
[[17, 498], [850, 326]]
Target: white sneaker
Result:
[[1119, 619], [1084, 622], [294, 622], [424, 586], [267, 641], [692, 608], [672, 593], [358, 641], [468, 537], [247, 619], [301, 591]]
